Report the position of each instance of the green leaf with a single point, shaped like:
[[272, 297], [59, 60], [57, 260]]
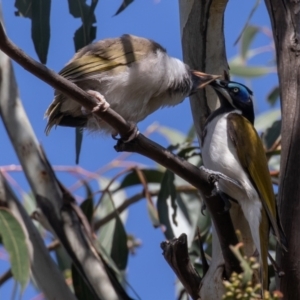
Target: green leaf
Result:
[[265, 120], [78, 143], [191, 135], [189, 215], [247, 38], [87, 206], [249, 71], [188, 151], [174, 136], [40, 28], [84, 36], [124, 5], [39, 13], [271, 135], [63, 259], [86, 33], [254, 8], [81, 290], [119, 250], [23, 8], [151, 175], [273, 96], [14, 240], [112, 236], [167, 190], [79, 9]]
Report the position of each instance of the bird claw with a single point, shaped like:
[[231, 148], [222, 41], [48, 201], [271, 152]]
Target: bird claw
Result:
[[224, 197], [102, 104], [132, 134], [214, 176]]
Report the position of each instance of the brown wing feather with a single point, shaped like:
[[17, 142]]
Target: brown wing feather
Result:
[[254, 162], [108, 54]]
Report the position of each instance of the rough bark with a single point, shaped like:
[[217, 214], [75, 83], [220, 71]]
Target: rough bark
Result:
[[59, 211], [285, 16], [45, 272]]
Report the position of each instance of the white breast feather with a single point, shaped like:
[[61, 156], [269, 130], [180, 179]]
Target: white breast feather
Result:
[[147, 79], [219, 154]]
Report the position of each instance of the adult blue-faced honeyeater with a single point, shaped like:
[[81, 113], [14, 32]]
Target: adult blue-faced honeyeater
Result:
[[231, 146], [133, 75]]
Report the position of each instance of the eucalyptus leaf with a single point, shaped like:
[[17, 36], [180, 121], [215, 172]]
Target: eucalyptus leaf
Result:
[[23, 8], [274, 163], [186, 152], [191, 135], [265, 120], [87, 206], [119, 251], [14, 240], [112, 235], [80, 9], [63, 259], [167, 190], [189, 215], [247, 38], [83, 36], [131, 179], [39, 13], [86, 33], [123, 6], [78, 143], [249, 71], [272, 134], [273, 96], [253, 10], [174, 136]]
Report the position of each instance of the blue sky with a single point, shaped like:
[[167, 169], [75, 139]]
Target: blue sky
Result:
[[148, 273]]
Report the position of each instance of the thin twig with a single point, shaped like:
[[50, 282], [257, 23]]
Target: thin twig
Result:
[[119, 210], [5, 276]]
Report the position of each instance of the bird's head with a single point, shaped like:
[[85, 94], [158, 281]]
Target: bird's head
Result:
[[236, 95], [200, 80]]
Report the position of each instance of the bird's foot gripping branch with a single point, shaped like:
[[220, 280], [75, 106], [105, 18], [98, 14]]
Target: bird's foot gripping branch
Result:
[[140, 144]]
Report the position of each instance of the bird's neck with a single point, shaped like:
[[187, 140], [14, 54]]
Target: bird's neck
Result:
[[221, 110], [179, 76]]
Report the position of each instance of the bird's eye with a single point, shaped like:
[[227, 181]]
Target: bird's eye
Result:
[[236, 90]]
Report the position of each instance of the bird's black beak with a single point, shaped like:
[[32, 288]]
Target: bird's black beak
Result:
[[218, 84], [200, 80]]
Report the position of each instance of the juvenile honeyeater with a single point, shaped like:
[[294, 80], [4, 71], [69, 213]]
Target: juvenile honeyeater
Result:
[[133, 75], [231, 146]]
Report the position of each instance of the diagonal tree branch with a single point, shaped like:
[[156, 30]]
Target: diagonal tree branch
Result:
[[141, 144], [58, 208]]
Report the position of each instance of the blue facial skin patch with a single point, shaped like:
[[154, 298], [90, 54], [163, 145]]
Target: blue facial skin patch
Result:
[[240, 91]]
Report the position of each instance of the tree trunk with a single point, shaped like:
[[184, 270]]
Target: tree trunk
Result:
[[203, 45], [284, 15]]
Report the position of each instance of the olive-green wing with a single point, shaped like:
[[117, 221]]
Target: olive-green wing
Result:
[[108, 54], [252, 157]]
